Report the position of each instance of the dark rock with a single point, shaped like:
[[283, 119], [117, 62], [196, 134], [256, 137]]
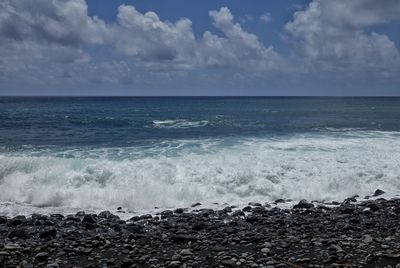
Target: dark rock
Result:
[[373, 206], [41, 217], [57, 216], [146, 217], [277, 201], [41, 256], [350, 200], [229, 263], [80, 214], [3, 219], [378, 192], [196, 205], [135, 218], [49, 233], [106, 215], [238, 213], [134, 228], [200, 225], [182, 238], [227, 209], [303, 204], [247, 209], [88, 219], [166, 214], [255, 204], [19, 233], [179, 211], [17, 220], [126, 263]]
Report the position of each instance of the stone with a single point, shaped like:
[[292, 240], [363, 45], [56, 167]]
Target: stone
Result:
[[3, 219], [378, 192], [48, 233], [88, 219], [265, 250], [179, 211], [19, 233], [367, 238], [41, 256], [304, 204], [185, 252]]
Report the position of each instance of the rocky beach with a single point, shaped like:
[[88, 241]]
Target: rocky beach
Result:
[[353, 233]]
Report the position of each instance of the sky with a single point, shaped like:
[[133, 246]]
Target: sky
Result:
[[196, 48]]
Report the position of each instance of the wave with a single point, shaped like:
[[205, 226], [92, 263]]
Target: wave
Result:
[[98, 121], [317, 167], [179, 123]]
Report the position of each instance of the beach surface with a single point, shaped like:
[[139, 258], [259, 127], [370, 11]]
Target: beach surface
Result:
[[348, 234]]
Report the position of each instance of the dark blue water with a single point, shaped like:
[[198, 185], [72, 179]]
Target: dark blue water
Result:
[[132, 121], [69, 154]]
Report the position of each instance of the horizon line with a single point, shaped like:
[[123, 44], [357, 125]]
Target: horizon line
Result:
[[199, 96]]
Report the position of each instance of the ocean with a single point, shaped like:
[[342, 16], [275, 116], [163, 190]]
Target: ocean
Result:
[[64, 154]]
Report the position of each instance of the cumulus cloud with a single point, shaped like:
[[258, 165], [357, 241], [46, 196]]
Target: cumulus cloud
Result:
[[62, 22], [45, 41], [332, 34], [43, 33], [237, 47]]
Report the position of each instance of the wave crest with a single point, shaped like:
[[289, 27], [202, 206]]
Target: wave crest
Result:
[[179, 123]]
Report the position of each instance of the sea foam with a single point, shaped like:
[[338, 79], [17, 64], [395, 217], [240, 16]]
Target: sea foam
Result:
[[313, 167]]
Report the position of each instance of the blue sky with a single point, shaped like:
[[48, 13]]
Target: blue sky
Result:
[[187, 47]]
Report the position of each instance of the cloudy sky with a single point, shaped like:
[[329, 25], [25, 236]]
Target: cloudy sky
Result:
[[192, 47]]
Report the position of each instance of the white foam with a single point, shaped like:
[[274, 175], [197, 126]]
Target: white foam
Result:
[[179, 123], [311, 167]]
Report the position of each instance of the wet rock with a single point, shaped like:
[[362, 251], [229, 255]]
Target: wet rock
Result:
[[3, 219], [303, 204], [80, 214], [247, 209], [196, 205], [16, 221], [179, 211], [166, 214], [106, 215], [88, 219], [378, 192]]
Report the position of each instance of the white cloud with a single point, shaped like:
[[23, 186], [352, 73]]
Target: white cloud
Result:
[[45, 41], [266, 17], [35, 35], [332, 34], [237, 47]]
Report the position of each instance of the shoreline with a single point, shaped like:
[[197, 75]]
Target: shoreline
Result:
[[350, 234]]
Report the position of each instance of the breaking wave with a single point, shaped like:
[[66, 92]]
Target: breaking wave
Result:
[[179, 123], [314, 167]]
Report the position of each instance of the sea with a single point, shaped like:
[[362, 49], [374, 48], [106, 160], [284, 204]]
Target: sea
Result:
[[146, 154]]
